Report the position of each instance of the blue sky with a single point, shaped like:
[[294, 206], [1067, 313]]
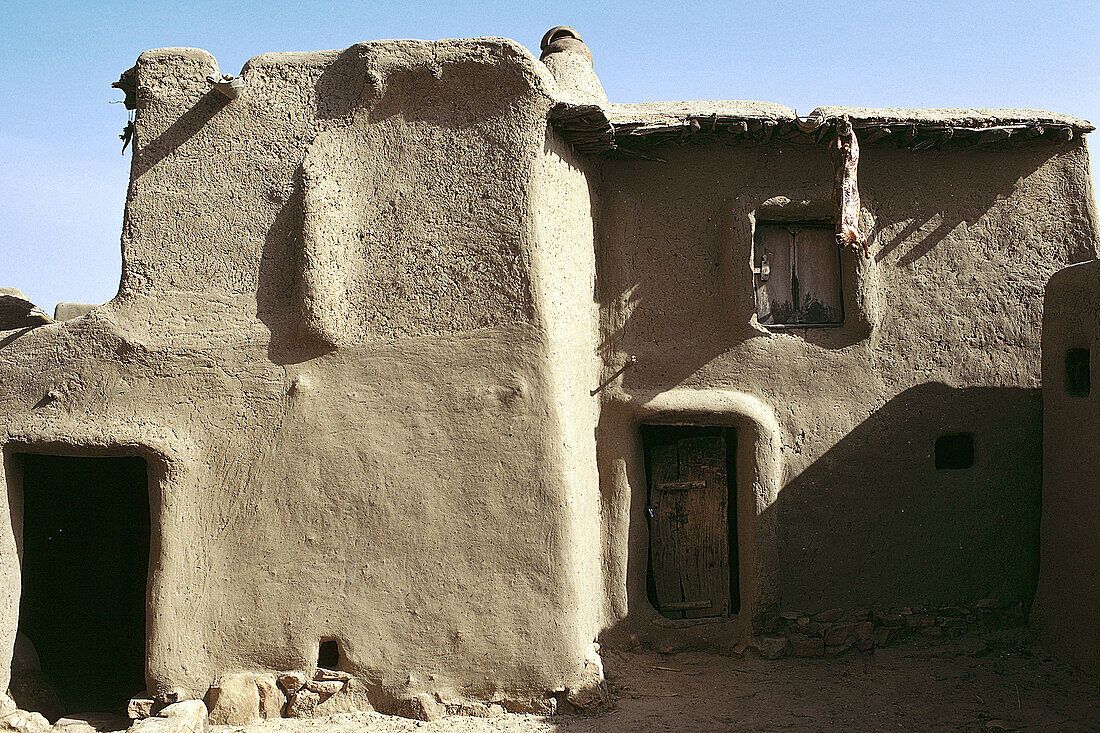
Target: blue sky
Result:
[[63, 180]]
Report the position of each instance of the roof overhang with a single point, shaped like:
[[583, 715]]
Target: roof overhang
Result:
[[634, 130]]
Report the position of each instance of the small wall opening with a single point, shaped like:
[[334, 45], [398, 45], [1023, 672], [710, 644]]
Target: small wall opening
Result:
[[955, 452], [1078, 373], [692, 515], [85, 558], [329, 655]]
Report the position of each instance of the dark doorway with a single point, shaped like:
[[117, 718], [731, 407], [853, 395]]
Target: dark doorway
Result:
[[692, 520], [85, 565]]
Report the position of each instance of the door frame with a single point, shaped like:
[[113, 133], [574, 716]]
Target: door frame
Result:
[[758, 476], [158, 468]]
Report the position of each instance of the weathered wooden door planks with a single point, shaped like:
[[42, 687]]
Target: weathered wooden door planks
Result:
[[689, 493]]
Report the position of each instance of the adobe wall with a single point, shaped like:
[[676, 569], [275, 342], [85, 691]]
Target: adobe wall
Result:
[[347, 333], [941, 335], [1067, 602]]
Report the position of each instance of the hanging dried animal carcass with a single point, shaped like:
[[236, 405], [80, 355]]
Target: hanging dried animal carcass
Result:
[[845, 155]]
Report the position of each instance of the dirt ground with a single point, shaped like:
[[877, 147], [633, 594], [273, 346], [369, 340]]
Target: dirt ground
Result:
[[997, 684]]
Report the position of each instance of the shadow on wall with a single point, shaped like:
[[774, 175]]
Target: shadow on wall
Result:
[[675, 281], [279, 289], [874, 523], [178, 133], [941, 199]]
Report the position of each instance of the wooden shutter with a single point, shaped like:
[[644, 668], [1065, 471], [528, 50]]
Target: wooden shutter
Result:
[[772, 255], [817, 275], [797, 274]]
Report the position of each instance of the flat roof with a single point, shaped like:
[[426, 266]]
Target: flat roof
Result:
[[632, 130]]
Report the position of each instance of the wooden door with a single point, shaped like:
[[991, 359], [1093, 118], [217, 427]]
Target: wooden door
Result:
[[689, 525]]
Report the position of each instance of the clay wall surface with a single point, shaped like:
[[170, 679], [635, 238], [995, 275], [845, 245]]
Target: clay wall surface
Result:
[[1067, 602], [941, 335], [346, 342]]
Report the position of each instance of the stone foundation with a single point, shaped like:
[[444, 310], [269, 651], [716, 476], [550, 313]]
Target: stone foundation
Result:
[[836, 631]]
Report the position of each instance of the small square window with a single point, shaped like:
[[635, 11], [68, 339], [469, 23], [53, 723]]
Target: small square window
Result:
[[955, 452], [797, 274], [1078, 377]]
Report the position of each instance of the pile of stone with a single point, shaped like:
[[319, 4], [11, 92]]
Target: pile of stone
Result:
[[836, 631]]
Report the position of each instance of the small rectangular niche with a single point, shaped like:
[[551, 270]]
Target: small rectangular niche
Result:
[[1078, 373], [955, 452], [328, 654], [796, 266]]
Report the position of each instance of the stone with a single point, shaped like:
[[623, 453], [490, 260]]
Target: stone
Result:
[[22, 721], [808, 647], [352, 697], [790, 615], [71, 725], [771, 647], [291, 682], [840, 634], [325, 675], [234, 699], [887, 618], [272, 699], [141, 707], [302, 704], [988, 604], [189, 716], [833, 650], [920, 621], [18, 312], [588, 697], [881, 636], [426, 707], [69, 311], [325, 688], [830, 616], [864, 631], [590, 693], [472, 709], [90, 722]]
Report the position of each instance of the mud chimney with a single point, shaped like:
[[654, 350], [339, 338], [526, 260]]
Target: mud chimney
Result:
[[570, 61]]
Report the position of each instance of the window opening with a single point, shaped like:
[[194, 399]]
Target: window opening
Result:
[[955, 452], [1078, 376], [797, 275]]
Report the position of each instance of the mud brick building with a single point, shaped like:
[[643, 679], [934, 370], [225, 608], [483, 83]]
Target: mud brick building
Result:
[[431, 367]]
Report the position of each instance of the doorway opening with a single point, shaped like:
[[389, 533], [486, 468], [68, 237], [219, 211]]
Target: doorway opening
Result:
[[692, 517], [85, 565]]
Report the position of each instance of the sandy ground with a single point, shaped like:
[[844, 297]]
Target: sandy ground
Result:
[[1007, 685]]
